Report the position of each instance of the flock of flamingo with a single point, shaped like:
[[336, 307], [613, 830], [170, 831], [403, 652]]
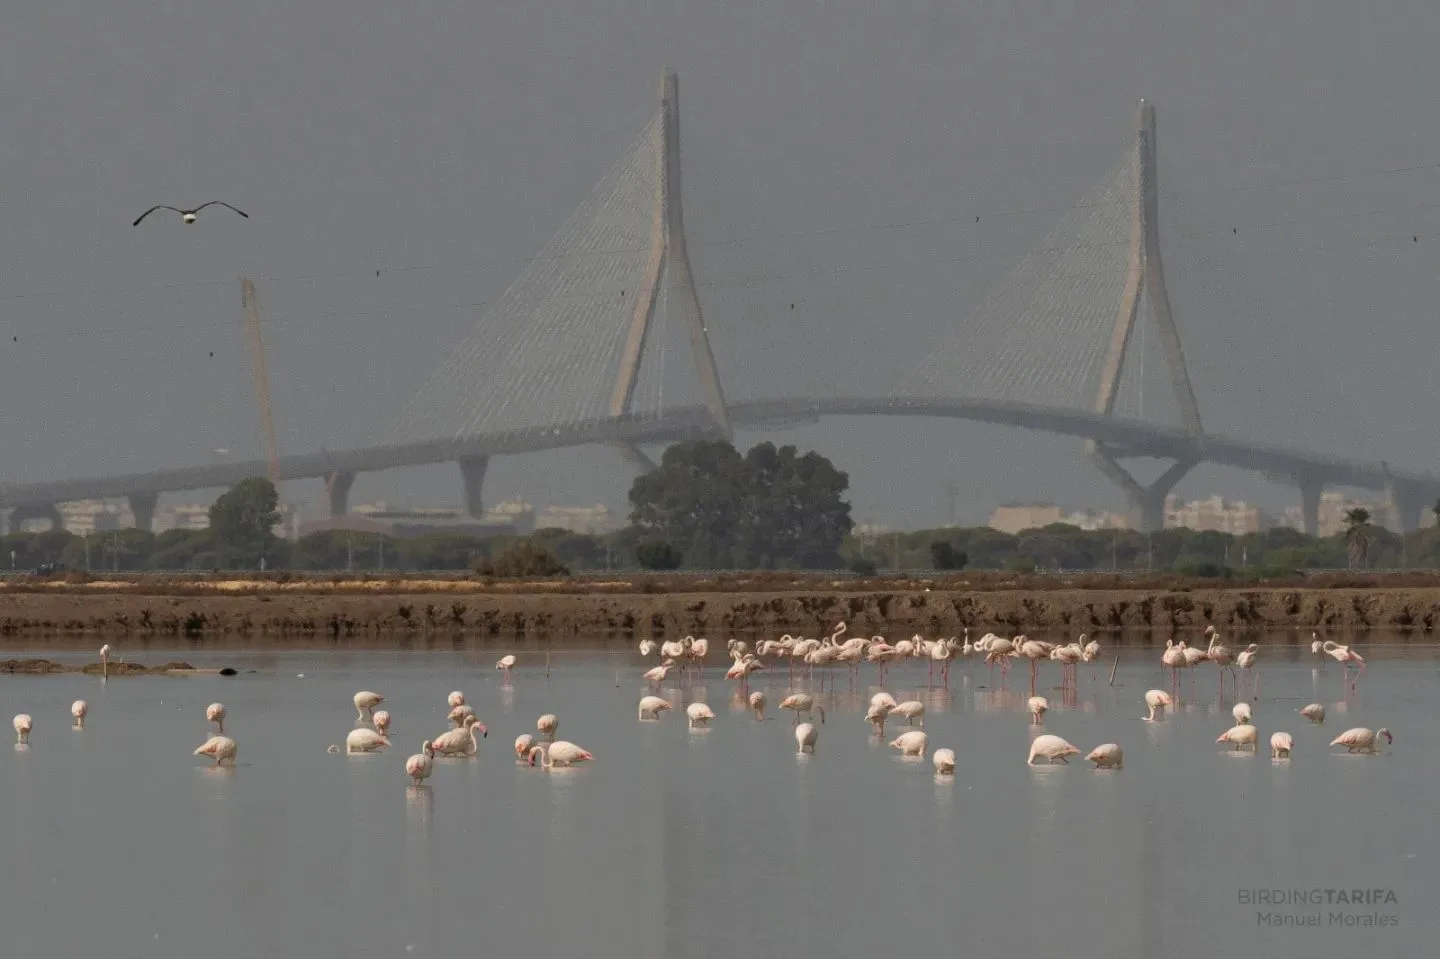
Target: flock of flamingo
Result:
[[462, 739]]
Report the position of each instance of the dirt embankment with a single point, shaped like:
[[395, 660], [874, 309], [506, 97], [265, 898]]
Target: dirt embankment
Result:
[[344, 613]]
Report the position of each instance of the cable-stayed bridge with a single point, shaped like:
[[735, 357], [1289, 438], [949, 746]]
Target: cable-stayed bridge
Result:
[[602, 339]]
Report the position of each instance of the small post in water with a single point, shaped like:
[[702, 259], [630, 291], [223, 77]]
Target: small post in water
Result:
[[1114, 666]]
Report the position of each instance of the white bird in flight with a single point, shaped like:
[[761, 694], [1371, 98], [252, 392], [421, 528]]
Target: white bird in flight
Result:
[[188, 216]]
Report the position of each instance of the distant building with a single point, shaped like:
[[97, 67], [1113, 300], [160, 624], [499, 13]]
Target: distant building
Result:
[[1213, 514], [191, 516], [1333, 507], [84, 517], [594, 520]]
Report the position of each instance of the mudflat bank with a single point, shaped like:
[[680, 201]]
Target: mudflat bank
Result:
[[678, 605]]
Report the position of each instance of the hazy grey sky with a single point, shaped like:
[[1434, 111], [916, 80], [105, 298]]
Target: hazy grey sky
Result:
[[443, 143]]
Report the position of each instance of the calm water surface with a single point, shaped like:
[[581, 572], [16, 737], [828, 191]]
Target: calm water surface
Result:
[[679, 843]]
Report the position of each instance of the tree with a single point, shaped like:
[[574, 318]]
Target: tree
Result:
[[657, 554], [944, 555], [771, 508], [1357, 535], [1435, 510], [242, 522], [793, 510], [522, 559]]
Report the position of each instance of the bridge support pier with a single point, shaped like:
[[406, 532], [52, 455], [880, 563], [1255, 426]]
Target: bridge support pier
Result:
[[1406, 506], [1146, 503], [142, 508], [21, 515], [472, 475], [1310, 490], [337, 487]]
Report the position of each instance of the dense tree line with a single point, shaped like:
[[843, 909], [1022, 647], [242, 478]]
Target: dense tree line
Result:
[[709, 507]]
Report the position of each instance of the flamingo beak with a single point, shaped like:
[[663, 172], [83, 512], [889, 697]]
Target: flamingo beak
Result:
[[484, 733], [1389, 738]]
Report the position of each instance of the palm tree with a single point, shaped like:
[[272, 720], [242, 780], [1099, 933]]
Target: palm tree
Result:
[[1357, 535]]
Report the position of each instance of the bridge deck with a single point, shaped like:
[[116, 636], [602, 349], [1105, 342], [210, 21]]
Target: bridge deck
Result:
[[1129, 436]]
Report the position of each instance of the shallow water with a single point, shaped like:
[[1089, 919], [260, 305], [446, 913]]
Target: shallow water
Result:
[[680, 843]]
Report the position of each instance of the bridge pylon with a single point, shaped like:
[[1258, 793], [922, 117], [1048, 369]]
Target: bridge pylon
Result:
[[1147, 277], [669, 261]]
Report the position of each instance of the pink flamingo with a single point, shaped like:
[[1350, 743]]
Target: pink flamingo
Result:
[[1345, 656]]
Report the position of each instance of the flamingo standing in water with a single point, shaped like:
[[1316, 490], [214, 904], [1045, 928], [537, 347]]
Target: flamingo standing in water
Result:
[[911, 709], [105, 661], [506, 663], [1314, 712], [1345, 656], [1239, 737], [23, 724], [1222, 657], [699, 715], [78, 709], [876, 716], [1280, 745], [382, 722], [546, 726], [1033, 651], [944, 760], [1157, 699], [652, 706], [805, 736], [1174, 658], [1052, 749], [365, 741], [802, 703], [1246, 661], [911, 743], [365, 703], [419, 766], [1193, 657], [1361, 740], [222, 749], [462, 741], [560, 753], [456, 715], [523, 744], [757, 703], [1241, 712], [1038, 707], [1107, 756], [215, 713], [657, 674], [456, 698]]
